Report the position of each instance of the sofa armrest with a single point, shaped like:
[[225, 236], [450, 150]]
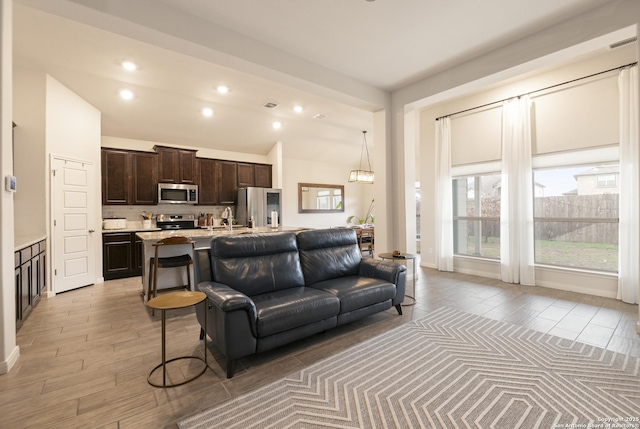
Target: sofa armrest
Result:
[[381, 269], [230, 320], [386, 270], [227, 299]]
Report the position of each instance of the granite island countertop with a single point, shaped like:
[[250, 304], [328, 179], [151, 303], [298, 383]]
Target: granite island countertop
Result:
[[203, 233]]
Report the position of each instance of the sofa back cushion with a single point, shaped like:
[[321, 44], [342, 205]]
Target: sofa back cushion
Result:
[[256, 263], [328, 254]]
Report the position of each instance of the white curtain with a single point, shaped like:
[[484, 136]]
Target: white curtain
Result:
[[444, 198], [516, 194], [628, 247]]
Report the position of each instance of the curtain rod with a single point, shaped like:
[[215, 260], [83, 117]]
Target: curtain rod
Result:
[[538, 90]]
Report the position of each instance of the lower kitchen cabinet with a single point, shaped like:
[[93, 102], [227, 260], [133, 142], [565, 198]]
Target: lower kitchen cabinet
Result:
[[121, 255], [30, 274]]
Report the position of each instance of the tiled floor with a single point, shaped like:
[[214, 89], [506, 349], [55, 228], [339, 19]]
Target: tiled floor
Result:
[[86, 354]]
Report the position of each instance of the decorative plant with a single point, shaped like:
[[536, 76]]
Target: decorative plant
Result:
[[369, 216]]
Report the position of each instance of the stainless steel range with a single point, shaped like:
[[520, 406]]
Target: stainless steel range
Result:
[[176, 221]]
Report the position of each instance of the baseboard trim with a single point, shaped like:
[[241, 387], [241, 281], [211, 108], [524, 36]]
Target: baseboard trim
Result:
[[6, 365]]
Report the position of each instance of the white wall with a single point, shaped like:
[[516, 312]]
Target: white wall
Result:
[[30, 160], [356, 196], [73, 132], [9, 351]]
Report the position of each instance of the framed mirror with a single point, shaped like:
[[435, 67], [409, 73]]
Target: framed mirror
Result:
[[318, 198]]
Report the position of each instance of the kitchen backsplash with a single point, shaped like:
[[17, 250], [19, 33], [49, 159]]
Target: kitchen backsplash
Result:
[[134, 213]]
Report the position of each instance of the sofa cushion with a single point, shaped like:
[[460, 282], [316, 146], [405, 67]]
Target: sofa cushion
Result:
[[256, 263], [356, 292], [287, 309], [328, 254]]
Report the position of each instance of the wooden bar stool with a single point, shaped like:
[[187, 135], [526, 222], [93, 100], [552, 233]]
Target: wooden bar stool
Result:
[[177, 261]]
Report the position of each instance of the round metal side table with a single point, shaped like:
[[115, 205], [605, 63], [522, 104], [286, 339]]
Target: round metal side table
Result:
[[175, 301], [404, 257]]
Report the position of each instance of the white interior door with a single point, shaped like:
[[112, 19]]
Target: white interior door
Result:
[[72, 210]]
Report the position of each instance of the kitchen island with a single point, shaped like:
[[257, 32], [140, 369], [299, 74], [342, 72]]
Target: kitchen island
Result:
[[170, 277]]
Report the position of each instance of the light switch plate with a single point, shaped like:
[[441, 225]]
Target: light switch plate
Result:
[[10, 183]]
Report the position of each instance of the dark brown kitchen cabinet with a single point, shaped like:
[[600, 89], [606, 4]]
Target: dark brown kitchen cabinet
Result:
[[121, 255], [227, 181], [217, 182], [207, 189], [144, 169], [116, 167], [30, 269], [246, 173], [176, 165], [254, 175], [263, 176], [129, 177]]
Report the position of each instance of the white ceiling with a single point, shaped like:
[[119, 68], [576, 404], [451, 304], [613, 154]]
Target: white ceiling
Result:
[[334, 57]]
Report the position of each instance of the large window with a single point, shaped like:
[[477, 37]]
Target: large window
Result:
[[576, 216], [476, 215]]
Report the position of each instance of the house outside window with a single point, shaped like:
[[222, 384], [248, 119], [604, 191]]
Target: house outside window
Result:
[[606, 180]]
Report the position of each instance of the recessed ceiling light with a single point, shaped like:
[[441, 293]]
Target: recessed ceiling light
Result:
[[298, 109], [128, 65], [207, 111], [270, 105], [320, 116], [222, 89], [276, 125], [125, 94]]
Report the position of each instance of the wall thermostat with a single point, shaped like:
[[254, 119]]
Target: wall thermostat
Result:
[[10, 183]]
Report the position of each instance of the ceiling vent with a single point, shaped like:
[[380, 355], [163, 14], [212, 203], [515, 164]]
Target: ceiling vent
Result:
[[270, 105], [319, 116], [623, 42]]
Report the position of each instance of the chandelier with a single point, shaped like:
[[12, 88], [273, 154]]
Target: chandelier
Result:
[[360, 175]]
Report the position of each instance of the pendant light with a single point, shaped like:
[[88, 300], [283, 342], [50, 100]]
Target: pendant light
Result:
[[360, 175]]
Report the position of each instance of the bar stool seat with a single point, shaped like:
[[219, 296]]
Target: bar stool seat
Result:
[[155, 262]]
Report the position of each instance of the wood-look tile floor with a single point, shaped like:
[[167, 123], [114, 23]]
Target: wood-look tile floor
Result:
[[85, 355]]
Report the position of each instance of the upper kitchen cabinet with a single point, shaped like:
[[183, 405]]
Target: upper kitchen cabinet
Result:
[[246, 173], [144, 168], [258, 175], [263, 176], [217, 182], [176, 165], [207, 188], [129, 177], [227, 181], [116, 165]]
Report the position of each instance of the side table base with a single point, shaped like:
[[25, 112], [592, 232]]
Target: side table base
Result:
[[413, 301], [183, 381]]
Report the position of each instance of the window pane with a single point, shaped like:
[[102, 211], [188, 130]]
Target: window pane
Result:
[[477, 238], [477, 196], [586, 245], [475, 199], [576, 217]]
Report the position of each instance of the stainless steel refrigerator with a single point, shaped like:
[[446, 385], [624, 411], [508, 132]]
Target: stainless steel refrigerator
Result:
[[259, 203]]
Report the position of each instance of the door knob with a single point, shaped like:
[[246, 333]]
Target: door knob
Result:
[[92, 230]]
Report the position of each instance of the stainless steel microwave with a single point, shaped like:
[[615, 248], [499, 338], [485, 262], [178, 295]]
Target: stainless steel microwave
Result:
[[171, 193]]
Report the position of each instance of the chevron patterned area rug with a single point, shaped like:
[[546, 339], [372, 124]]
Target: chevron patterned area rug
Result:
[[447, 370]]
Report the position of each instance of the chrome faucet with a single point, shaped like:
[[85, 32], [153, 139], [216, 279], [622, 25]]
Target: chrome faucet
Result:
[[228, 215]]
